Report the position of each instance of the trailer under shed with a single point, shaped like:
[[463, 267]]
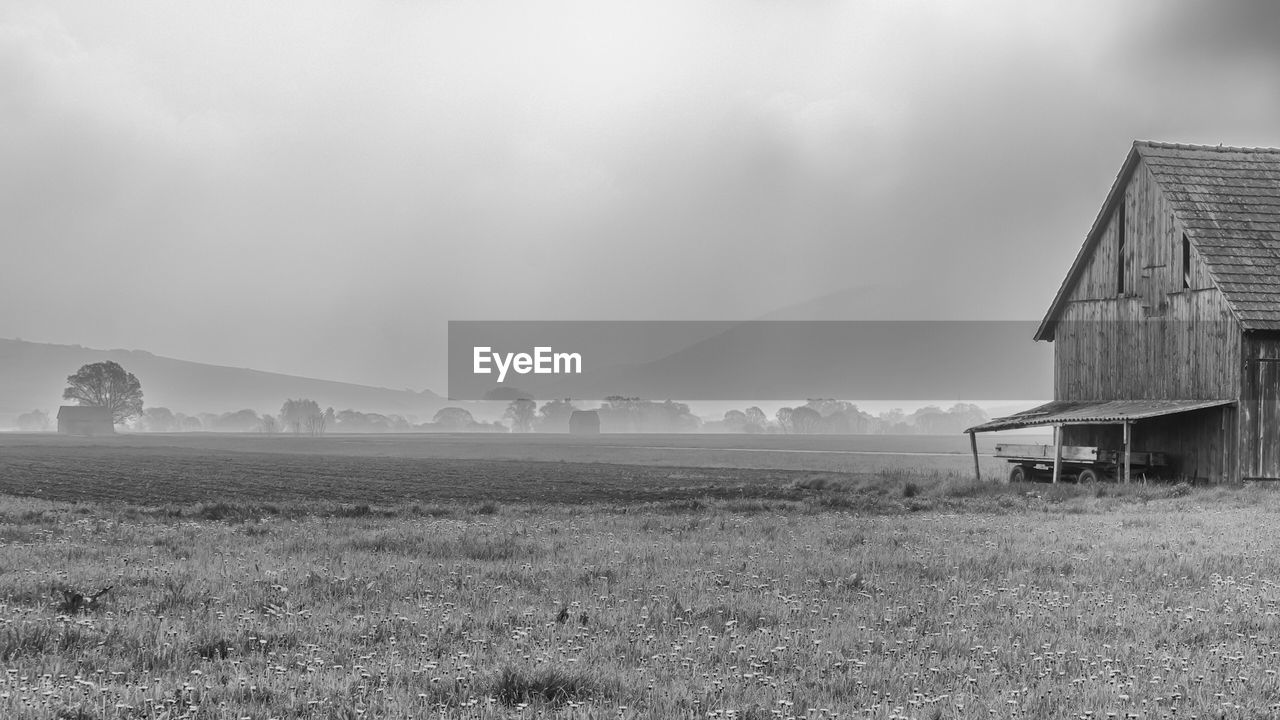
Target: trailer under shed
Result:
[[1120, 426]]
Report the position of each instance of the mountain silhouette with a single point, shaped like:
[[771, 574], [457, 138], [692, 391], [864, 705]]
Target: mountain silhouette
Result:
[[33, 376]]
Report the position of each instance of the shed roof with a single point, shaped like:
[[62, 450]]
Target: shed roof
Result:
[[1096, 412], [84, 412], [1228, 201]]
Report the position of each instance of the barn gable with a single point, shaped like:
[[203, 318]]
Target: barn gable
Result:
[[1224, 201]]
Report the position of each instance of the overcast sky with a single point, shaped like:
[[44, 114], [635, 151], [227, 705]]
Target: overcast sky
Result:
[[316, 188]]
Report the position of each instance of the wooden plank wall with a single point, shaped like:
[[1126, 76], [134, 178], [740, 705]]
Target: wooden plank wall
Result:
[[1260, 407], [1107, 350], [1158, 340]]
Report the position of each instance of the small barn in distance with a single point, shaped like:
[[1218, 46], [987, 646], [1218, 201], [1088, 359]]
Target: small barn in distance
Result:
[[85, 420], [1166, 329], [584, 422]]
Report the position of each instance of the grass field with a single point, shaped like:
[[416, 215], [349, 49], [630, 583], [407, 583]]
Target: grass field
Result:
[[144, 469], [31, 460], [609, 590]]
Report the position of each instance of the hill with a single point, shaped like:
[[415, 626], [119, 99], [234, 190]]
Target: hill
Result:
[[858, 360], [33, 375]]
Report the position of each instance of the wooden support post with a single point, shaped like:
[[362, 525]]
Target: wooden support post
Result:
[[1057, 453], [973, 445], [1128, 451]]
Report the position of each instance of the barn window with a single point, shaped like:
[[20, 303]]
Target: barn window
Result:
[[1186, 262], [1120, 249]]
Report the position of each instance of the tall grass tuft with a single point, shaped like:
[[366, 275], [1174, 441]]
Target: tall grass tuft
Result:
[[25, 640], [548, 685]]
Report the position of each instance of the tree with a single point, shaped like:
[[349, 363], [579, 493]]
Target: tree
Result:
[[893, 422], [34, 420], [158, 419], [784, 418], [106, 384], [830, 406], [839, 416], [554, 416], [354, 421], [315, 424], [267, 425], [453, 418], [521, 412], [505, 393], [239, 421], [633, 414], [757, 421], [299, 415], [966, 415], [930, 420], [805, 419]]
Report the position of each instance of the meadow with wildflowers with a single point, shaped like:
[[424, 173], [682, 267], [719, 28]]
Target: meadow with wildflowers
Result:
[[894, 596]]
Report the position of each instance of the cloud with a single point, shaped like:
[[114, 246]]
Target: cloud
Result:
[[319, 189]]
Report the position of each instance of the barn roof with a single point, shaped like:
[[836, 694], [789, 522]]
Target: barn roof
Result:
[[83, 412], [1227, 199], [1095, 412]]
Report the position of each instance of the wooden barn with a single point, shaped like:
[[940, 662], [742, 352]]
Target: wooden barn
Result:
[[1166, 330], [85, 420], [584, 422]]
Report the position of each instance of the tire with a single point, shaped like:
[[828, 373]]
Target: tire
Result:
[[1019, 474], [1087, 476]]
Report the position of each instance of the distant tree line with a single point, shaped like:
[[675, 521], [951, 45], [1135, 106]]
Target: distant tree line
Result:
[[106, 384], [631, 414], [34, 421], [817, 416], [618, 414], [840, 417], [301, 416]]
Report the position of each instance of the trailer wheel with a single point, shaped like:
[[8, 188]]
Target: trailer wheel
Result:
[[1018, 474], [1087, 476]]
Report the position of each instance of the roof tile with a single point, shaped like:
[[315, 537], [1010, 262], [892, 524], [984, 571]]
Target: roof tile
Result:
[[1228, 200]]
